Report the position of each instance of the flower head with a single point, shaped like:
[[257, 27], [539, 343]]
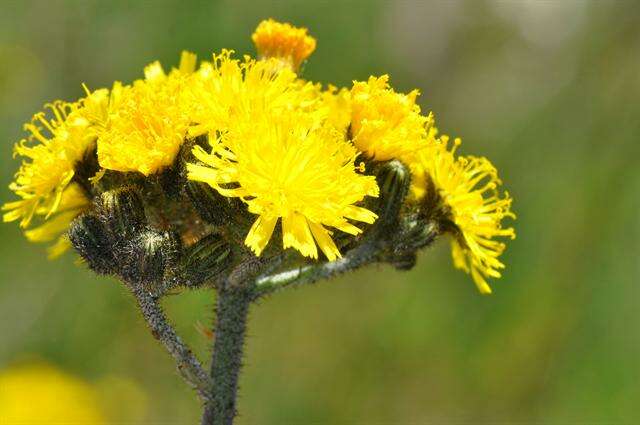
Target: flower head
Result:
[[385, 124], [467, 190], [283, 41], [259, 115], [147, 127], [289, 167], [58, 141]]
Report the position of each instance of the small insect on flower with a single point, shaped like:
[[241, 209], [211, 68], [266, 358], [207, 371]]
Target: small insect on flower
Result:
[[465, 190]]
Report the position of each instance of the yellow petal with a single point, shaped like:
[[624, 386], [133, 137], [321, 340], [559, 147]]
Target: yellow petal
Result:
[[188, 62], [260, 233], [360, 214], [61, 246], [154, 72], [296, 234], [202, 174], [51, 228], [348, 228], [325, 242], [480, 281]]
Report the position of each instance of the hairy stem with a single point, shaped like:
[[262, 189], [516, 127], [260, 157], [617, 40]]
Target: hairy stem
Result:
[[187, 363], [377, 247], [232, 308], [355, 258]]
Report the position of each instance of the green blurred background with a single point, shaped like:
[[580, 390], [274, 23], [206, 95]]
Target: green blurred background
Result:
[[549, 91]]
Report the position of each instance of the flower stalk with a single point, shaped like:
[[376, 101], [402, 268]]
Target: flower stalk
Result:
[[187, 364], [232, 309]]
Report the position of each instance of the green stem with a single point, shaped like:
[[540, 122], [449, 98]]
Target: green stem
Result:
[[232, 309]]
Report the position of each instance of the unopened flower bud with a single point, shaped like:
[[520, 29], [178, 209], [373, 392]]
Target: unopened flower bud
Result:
[[89, 237], [212, 207], [394, 180], [205, 259], [122, 211], [152, 253]]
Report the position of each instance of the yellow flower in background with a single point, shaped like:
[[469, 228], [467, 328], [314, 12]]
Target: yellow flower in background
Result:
[[149, 124], [39, 394], [58, 140], [283, 41], [384, 124], [292, 168], [467, 188]]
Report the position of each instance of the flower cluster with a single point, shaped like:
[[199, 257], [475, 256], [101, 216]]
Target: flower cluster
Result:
[[254, 141]]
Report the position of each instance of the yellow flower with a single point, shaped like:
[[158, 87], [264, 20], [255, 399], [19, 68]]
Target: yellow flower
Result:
[[385, 124], [289, 167], [149, 123], [38, 394], [227, 90], [283, 41], [467, 191], [58, 141]]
